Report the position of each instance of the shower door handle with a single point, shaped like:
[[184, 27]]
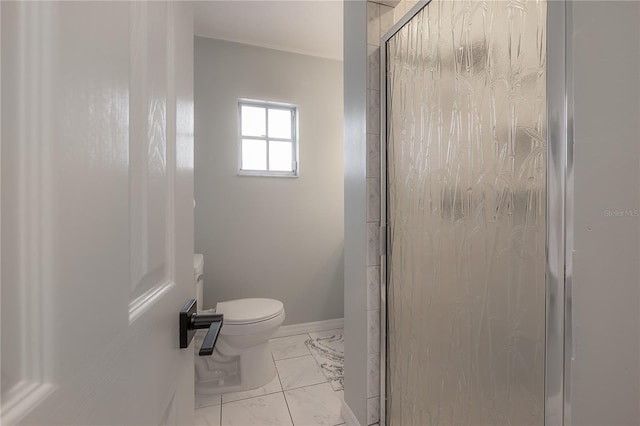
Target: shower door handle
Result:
[[190, 321]]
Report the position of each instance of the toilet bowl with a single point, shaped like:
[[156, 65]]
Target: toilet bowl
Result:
[[242, 356]]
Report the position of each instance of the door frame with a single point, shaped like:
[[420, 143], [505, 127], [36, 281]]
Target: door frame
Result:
[[559, 206]]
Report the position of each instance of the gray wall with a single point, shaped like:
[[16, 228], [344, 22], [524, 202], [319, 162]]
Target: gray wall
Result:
[[263, 236], [605, 376], [355, 208]]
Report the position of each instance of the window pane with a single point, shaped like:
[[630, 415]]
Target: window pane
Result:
[[253, 121], [254, 154], [280, 156], [280, 123]]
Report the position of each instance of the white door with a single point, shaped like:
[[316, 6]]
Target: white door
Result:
[[97, 212]]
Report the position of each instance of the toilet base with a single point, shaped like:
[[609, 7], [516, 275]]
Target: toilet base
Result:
[[255, 369]]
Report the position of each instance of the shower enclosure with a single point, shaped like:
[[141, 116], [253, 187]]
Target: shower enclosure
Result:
[[474, 120]]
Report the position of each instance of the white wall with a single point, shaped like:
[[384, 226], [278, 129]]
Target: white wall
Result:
[[262, 236], [605, 372], [365, 23]]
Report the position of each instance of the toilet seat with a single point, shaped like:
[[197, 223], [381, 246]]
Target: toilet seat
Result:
[[249, 311], [230, 329]]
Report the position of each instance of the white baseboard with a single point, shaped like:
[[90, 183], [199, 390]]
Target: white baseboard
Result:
[[309, 327], [348, 416]]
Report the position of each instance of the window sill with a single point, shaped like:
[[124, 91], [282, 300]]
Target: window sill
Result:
[[257, 173]]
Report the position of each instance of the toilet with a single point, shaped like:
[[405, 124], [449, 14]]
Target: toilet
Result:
[[242, 357]]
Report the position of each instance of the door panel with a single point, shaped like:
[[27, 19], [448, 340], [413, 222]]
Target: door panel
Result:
[[152, 165], [148, 162], [466, 100], [97, 212]]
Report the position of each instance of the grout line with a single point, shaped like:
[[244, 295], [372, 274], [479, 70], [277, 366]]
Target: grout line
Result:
[[255, 396], [290, 357], [294, 357], [279, 381], [221, 410], [285, 398], [295, 335], [308, 386], [288, 409]]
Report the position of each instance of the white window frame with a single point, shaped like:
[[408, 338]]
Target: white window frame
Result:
[[294, 137]]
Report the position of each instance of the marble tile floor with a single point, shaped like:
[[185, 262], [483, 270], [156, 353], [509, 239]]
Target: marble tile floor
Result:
[[307, 391]]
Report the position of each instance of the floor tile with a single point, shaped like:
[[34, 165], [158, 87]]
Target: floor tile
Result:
[[272, 387], [209, 416], [207, 400], [316, 405], [298, 372], [327, 348], [260, 411], [289, 347]]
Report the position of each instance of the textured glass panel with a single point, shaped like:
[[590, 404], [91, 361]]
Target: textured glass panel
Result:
[[466, 197], [254, 154], [280, 123], [280, 158], [254, 121]]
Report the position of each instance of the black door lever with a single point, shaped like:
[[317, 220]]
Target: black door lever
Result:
[[191, 320]]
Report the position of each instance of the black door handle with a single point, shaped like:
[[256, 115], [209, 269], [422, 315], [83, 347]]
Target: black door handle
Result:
[[214, 323], [190, 321]]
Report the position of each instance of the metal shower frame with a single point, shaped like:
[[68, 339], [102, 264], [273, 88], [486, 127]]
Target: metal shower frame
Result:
[[559, 205]]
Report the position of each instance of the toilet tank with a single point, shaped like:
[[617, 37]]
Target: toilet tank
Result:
[[198, 277]]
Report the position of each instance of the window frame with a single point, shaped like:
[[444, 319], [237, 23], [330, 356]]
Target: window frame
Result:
[[294, 137]]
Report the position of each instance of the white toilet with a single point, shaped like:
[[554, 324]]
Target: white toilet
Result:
[[242, 357]]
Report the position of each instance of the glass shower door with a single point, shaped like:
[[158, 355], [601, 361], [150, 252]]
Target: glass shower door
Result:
[[466, 211]]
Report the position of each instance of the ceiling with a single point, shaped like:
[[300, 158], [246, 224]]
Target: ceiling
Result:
[[299, 26]]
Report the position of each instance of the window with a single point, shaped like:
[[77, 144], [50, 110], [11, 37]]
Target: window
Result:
[[268, 138]]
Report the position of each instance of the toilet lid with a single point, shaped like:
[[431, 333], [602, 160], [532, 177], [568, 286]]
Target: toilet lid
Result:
[[244, 311]]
